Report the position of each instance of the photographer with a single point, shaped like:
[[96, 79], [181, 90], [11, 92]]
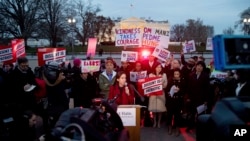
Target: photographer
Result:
[[56, 86]]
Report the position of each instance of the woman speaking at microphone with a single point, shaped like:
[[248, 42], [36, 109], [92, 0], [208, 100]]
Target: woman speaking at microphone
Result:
[[120, 92]]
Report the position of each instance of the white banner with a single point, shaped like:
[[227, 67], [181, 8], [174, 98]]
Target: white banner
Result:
[[152, 89], [161, 53], [135, 76]]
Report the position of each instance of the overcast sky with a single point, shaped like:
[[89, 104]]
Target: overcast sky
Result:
[[218, 13]]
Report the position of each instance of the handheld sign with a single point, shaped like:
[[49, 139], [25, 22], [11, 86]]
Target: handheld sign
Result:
[[47, 55], [135, 76], [90, 66], [150, 86], [189, 47], [161, 53], [129, 56]]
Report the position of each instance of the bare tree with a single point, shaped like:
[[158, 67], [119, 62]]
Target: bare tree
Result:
[[177, 32], [195, 30], [244, 26], [20, 17], [53, 23], [228, 31]]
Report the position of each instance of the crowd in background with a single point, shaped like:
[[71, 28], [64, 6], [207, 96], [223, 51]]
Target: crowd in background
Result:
[[186, 85]]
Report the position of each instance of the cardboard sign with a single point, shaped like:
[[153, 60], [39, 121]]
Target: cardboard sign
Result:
[[189, 47], [9, 54], [161, 53], [47, 55], [128, 37], [150, 86], [90, 65], [127, 115], [129, 56], [153, 37], [135, 76]]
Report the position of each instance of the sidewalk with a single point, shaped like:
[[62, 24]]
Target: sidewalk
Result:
[[160, 134]]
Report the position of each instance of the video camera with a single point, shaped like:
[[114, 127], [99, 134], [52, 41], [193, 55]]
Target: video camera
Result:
[[98, 123], [231, 52]]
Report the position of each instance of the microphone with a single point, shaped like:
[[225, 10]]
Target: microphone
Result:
[[114, 99]]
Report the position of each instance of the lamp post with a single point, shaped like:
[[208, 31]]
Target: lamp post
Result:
[[72, 21], [246, 22]]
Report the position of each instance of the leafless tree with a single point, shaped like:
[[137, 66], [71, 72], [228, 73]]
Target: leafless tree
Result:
[[228, 31], [53, 23], [244, 26], [20, 17], [177, 32]]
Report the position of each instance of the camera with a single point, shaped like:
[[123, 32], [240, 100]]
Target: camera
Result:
[[98, 123], [231, 52]]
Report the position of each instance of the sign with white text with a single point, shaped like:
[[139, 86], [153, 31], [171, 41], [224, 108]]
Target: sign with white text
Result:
[[47, 55], [150, 86]]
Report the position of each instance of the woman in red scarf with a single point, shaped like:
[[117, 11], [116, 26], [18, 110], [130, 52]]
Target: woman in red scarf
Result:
[[120, 91]]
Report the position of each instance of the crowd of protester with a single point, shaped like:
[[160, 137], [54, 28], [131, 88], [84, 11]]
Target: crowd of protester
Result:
[[186, 85]]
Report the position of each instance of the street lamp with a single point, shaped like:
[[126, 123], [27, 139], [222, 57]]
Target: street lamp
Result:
[[246, 22], [72, 21]]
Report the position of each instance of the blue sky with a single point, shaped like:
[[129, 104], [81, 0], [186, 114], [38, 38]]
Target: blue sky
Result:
[[218, 13]]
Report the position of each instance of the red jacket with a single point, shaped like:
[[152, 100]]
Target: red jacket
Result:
[[123, 98]]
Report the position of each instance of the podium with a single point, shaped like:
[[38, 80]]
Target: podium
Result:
[[131, 117]]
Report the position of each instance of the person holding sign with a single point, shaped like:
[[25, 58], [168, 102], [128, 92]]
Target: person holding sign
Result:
[[157, 102], [121, 93]]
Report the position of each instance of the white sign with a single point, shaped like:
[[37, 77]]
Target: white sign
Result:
[[53, 55], [161, 53], [127, 115], [135, 76], [209, 45], [189, 46], [129, 56], [6, 54], [90, 65], [128, 37], [58, 60]]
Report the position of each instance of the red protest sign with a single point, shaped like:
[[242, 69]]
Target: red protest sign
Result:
[[150, 86], [9, 54], [46, 55]]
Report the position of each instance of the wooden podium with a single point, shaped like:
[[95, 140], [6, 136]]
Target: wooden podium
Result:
[[131, 117]]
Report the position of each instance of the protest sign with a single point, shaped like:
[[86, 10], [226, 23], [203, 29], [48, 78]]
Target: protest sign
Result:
[[90, 65], [91, 47], [161, 53], [209, 45], [189, 46], [9, 54], [129, 56], [135, 76], [128, 37], [153, 37], [150, 86], [47, 55], [6, 54]]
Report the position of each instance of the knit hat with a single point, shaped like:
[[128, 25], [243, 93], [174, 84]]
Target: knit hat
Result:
[[77, 62]]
